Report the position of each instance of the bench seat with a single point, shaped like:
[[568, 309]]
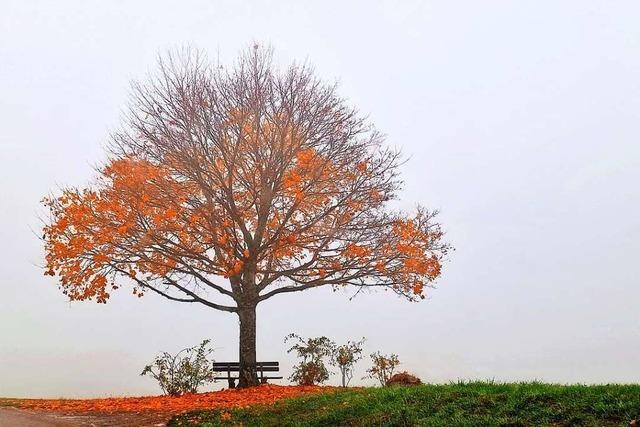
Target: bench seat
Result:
[[232, 367]]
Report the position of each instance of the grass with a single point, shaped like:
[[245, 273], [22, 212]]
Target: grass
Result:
[[463, 404]]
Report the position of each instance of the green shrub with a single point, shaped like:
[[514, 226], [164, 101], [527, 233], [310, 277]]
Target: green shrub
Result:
[[183, 372], [312, 351]]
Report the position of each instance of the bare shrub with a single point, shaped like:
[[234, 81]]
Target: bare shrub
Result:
[[345, 357]]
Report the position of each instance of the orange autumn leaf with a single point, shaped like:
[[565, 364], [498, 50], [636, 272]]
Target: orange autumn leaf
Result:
[[230, 398], [171, 213], [100, 258]]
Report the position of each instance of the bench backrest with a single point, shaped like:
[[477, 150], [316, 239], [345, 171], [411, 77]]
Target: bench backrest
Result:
[[235, 366]]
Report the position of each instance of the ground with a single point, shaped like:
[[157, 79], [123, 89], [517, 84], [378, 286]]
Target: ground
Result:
[[135, 411], [10, 417], [461, 404]]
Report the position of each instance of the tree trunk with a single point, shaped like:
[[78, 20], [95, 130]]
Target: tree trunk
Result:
[[248, 375]]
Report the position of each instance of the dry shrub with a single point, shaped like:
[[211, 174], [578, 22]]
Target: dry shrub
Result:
[[404, 378]]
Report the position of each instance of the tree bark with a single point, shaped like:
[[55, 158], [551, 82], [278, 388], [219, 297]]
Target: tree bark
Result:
[[248, 375]]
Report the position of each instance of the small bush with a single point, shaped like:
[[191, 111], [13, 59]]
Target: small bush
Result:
[[310, 373], [311, 370], [183, 372], [403, 378], [345, 357], [383, 367]]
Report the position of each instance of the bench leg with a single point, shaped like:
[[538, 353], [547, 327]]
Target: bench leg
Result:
[[263, 380], [232, 383]]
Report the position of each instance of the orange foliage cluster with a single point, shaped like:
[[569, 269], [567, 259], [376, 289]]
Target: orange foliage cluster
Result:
[[264, 394], [135, 203], [413, 244], [263, 202]]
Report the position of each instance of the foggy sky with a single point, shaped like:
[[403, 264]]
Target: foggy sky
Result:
[[520, 122]]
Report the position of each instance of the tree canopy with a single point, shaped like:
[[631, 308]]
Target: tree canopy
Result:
[[267, 179]]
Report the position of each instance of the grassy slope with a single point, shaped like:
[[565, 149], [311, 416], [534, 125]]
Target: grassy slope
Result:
[[472, 404]]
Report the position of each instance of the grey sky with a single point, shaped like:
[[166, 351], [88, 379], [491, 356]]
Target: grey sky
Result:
[[522, 124]]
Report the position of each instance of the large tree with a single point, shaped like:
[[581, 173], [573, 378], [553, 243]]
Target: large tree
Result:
[[226, 187]]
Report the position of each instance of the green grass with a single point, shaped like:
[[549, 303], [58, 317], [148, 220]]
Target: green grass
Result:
[[468, 404]]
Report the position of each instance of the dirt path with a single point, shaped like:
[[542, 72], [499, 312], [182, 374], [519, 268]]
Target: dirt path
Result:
[[12, 417]]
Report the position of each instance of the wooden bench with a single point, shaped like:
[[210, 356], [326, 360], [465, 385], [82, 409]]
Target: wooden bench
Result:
[[230, 367]]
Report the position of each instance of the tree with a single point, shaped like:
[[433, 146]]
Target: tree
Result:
[[312, 351], [345, 357], [183, 372], [228, 187], [383, 367]]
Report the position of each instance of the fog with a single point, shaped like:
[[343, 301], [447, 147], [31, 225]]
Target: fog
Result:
[[520, 122]]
